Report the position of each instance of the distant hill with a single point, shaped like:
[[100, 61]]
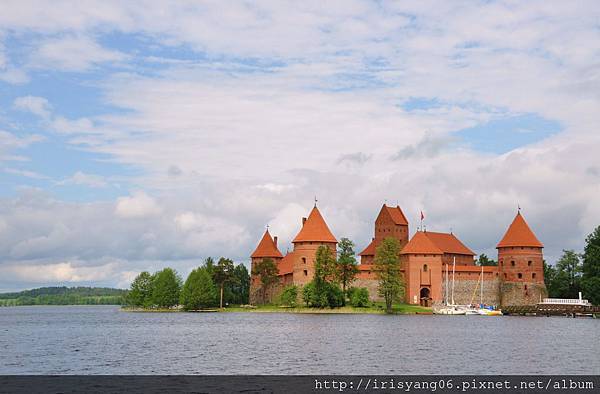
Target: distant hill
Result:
[[64, 296]]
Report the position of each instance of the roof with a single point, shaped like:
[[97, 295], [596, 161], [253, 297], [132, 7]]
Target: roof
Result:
[[420, 243], [266, 247], [448, 243], [396, 214], [314, 229], [369, 250], [286, 265], [519, 234]]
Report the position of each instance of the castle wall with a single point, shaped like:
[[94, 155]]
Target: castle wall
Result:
[[522, 293], [304, 260], [467, 291]]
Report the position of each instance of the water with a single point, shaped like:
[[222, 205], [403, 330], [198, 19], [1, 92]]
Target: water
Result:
[[104, 340]]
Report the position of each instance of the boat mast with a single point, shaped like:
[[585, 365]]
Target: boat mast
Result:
[[446, 283], [453, 269], [481, 297]]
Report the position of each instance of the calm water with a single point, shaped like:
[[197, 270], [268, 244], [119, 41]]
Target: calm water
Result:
[[104, 340]]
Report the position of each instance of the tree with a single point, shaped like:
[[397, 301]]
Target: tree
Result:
[[323, 291], [359, 297], [166, 289], [568, 274], [198, 291], [267, 271], [590, 281], [486, 261], [387, 268], [238, 290], [346, 269], [223, 273], [141, 290], [289, 295]]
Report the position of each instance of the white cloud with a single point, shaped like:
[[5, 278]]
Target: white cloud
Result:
[[82, 178], [73, 54], [36, 105], [64, 272], [139, 205], [25, 173]]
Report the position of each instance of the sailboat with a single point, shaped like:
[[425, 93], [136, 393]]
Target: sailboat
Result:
[[482, 310], [449, 308]]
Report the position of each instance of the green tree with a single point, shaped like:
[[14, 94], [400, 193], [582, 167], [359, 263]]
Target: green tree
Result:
[[198, 291], [166, 289], [387, 269], [590, 281], [267, 271], [141, 290], [486, 261], [238, 290], [223, 273], [346, 268], [323, 291], [359, 297], [289, 295], [568, 274]]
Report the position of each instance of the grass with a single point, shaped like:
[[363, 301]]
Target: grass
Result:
[[377, 308]]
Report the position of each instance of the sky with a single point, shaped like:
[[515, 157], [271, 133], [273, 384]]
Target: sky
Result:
[[143, 134]]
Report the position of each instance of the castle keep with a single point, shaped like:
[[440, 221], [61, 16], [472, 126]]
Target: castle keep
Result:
[[517, 280]]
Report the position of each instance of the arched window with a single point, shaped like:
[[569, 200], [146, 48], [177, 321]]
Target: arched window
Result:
[[520, 275], [425, 268], [529, 263], [512, 263], [305, 272], [303, 260], [533, 275]]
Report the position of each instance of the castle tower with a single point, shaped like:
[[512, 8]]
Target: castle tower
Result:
[[314, 233], [390, 222], [267, 248], [520, 265]]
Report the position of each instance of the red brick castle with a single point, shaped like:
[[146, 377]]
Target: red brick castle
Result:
[[518, 279]]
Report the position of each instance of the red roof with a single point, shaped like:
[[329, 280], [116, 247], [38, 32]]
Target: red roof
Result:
[[448, 243], [266, 247], [369, 250], [519, 234], [421, 244], [286, 265], [315, 229], [396, 214]]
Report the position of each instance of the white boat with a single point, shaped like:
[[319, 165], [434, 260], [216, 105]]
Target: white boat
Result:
[[449, 308]]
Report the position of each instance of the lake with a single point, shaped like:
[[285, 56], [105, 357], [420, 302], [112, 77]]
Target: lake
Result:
[[105, 340]]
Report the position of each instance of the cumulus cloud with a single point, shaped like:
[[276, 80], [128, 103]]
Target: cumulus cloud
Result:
[[138, 205]]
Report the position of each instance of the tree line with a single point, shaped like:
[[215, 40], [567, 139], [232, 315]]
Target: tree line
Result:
[[210, 285], [332, 277], [575, 272], [64, 296]]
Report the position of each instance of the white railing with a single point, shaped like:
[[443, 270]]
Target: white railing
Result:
[[562, 301]]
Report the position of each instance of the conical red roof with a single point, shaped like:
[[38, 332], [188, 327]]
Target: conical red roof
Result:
[[397, 214], [314, 229], [266, 247], [519, 234]]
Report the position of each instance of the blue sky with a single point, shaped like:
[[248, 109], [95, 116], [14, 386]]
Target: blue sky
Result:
[[143, 135]]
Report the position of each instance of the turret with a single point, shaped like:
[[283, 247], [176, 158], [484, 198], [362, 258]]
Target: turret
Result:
[[520, 264]]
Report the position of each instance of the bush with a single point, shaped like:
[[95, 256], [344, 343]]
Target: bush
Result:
[[359, 297], [323, 295], [289, 296]]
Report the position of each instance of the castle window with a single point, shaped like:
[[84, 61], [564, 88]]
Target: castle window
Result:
[[512, 263], [305, 272], [425, 268], [533, 276], [505, 276], [501, 262], [303, 260], [529, 263], [520, 275]]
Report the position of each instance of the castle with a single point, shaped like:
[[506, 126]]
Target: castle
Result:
[[518, 279]]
